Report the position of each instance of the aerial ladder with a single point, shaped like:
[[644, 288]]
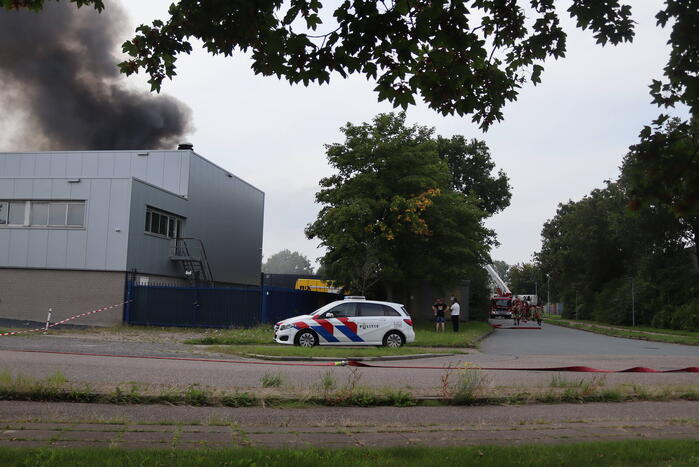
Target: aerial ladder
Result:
[[502, 288], [501, 301]]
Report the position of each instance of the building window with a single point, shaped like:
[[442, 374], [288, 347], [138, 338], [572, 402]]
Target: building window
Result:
[[3, 212], [16, 213], [163, 223], [40, 213]]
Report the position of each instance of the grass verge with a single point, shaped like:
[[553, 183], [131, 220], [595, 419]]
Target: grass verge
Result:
[[617, 453], [458, 387], [425, 336], [321, 351], [670, 336], [468, 335]]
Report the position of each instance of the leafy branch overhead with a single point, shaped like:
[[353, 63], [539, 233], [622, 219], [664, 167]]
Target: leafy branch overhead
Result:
[[466, 57]]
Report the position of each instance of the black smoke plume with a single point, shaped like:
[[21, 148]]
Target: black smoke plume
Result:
[[59, 79]]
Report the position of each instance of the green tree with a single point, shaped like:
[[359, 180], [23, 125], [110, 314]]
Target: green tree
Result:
[[525, 279], [595, 249], [471, 172], [580, 250], [287, 262], [468, 57], [663, 170], [390, 218], [502, 268]]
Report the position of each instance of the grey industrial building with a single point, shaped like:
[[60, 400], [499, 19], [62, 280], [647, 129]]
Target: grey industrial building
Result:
[[72, 224]]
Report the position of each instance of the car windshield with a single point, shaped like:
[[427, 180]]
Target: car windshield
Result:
[[504, 303], [323, 309]]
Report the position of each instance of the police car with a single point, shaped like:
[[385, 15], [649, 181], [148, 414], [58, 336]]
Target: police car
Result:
[[352, 321]]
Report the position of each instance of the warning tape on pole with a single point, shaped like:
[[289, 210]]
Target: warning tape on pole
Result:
[[44, 328], [356, 363]]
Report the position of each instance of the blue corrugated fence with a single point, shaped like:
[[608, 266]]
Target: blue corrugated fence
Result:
[[163, 305]]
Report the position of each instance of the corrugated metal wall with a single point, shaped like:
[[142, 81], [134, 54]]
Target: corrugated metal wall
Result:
[[227, 214], [220, 209], [105, 185], [223, 211], [96, 246]]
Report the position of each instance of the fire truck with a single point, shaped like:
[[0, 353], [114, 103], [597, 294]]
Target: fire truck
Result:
[[501, 300]]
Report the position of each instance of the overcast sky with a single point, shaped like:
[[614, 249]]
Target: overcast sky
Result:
[[560, 140]]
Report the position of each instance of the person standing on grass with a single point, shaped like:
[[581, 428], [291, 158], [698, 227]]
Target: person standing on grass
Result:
[[455, 313], [438, 309]]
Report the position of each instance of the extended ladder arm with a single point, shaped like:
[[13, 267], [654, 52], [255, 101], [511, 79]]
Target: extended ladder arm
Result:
[[496, 278]]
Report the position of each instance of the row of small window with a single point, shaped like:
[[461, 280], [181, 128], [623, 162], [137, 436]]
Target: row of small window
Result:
[[42, 213], [349, 310], [162, 223]]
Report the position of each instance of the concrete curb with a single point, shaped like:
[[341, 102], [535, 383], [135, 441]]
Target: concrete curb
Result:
[[360, 359], [478, 339]]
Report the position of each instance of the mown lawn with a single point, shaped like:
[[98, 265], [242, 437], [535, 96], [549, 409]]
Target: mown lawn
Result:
[[261, 334], [323, 351], [671, 336], [469, 333], [425, 336], [617, 453]]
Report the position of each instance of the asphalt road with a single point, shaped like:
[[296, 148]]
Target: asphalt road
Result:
[[550, 347], [557, 340]]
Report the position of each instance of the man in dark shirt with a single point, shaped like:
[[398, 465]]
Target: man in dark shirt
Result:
[[439, 308]]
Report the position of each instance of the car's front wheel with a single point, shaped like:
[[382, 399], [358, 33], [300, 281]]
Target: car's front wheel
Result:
[[393, 339], [306, 339]]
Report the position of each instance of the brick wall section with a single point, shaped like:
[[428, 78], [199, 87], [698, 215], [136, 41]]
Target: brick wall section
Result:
[[27, 294]]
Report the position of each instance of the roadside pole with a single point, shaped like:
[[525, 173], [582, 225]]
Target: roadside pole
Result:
[[48, 321], [633, 305]]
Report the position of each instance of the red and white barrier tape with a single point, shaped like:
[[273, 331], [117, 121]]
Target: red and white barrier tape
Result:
[[43, 328], [350, 362]]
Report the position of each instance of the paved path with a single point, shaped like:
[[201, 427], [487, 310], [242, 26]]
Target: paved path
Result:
[[34, 424]]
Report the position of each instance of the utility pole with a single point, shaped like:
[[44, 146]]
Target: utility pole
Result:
[[548, 292], [633, 305]]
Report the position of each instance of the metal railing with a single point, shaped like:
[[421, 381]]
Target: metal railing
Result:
[[192, 254]]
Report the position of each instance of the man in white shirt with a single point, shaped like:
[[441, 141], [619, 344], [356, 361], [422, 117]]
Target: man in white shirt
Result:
[[455, 313]]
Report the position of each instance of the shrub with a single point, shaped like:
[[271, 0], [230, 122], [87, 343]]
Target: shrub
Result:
[[662, 319], [238, 399], [194, 395], [467, 386], [399, 398], [686, 317], [327, 382], [271, 380]]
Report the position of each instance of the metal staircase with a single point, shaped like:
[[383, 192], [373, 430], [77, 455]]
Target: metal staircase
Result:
[[191, 254]]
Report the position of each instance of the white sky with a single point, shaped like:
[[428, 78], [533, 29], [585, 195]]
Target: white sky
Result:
[[558, 141]]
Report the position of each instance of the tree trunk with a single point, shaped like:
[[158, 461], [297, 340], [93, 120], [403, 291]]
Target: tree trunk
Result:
[[389, 291]]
